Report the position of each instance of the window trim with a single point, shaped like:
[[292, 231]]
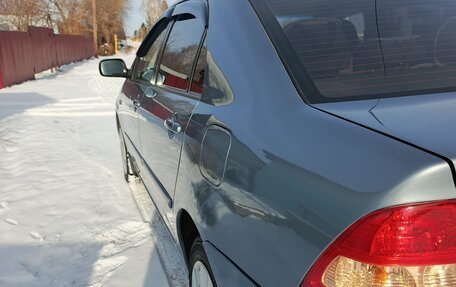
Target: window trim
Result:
[[152, 33], [197, 8], [290, 60], [178, 92], [195, 64]]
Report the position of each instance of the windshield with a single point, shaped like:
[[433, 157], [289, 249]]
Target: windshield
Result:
[[361, 48]]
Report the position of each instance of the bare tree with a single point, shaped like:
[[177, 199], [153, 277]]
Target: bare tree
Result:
[[71, 16], [74, 17], [111, 15], [23, 13], [154, 9]]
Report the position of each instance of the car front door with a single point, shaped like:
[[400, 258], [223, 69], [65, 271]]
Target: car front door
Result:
[[167, 107], [130, 98], [142, 77]]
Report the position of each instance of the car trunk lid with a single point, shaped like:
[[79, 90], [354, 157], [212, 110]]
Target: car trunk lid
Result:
[[428, 121]]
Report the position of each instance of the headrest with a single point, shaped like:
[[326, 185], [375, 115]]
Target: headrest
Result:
[[321, 44]]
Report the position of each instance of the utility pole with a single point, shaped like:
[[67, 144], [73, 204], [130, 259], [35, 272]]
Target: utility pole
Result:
[[95, 26], [116, 47]]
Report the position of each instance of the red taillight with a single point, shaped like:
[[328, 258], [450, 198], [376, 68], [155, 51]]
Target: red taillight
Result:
[[401, 246]]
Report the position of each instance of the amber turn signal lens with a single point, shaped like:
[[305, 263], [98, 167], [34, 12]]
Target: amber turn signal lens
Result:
[[345, 272]]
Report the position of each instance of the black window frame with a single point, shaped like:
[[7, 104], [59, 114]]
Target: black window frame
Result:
[[298, 73], [195, 64]]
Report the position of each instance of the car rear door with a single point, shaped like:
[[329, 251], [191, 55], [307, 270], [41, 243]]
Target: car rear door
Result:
[[169, 103]]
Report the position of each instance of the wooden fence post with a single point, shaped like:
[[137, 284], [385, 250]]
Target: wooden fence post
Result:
[[2, 81]]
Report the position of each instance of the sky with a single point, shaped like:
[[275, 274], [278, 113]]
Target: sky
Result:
[[136, 16]]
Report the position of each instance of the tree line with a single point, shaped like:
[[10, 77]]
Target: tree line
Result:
[[153, 9], [68, 16]]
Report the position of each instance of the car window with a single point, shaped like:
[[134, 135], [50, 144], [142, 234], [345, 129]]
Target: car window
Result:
[[198, 78], [360, 48], [180, 52], [145, 66]]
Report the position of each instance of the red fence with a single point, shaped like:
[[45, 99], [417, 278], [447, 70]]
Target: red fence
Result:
[[24, 54]]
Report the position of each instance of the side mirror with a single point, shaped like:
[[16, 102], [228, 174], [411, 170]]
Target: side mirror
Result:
[[114, 68]]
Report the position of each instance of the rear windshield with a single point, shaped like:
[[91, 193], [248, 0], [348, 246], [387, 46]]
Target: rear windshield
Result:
[[360, 48]]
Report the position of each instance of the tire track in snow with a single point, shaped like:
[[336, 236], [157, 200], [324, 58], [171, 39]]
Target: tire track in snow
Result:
[[115, 242], [169, 254]]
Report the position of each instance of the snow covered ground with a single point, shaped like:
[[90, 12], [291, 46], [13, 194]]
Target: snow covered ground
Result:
[[67, 217]]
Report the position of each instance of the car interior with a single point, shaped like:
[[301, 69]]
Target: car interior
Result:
[[371, 47]]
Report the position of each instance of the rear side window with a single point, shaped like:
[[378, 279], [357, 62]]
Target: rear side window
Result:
[[180, 52], [366, 48]]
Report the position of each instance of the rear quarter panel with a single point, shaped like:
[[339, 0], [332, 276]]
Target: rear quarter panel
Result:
[[295, 177]]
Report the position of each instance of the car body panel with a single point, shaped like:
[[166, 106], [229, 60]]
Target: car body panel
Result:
[[160, 148], [127, 111], [225, 272], [295, 176], [426, 121]]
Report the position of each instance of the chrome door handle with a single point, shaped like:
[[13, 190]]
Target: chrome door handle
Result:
[[173, 125], [137, 102]]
